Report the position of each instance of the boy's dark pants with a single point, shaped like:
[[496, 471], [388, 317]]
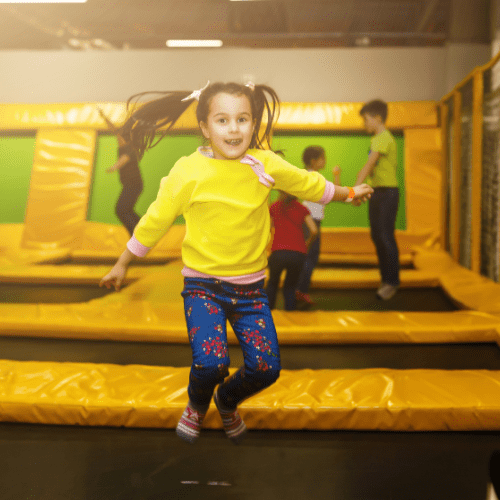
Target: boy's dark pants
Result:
[[382, 210]]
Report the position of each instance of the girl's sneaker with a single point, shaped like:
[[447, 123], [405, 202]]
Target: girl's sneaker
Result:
[[386, 291], [233, 424], [305, 298], [189, 425]]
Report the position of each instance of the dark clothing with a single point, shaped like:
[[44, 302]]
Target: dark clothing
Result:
[[130, 171], [293, 262], [382, 211], [311, 260], [130, 177], [208, 303]]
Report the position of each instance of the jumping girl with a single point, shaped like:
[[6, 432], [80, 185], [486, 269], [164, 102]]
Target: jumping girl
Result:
[[222, 191], [130, 177]]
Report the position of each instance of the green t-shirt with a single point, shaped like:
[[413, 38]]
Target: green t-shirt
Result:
[[384, 173]]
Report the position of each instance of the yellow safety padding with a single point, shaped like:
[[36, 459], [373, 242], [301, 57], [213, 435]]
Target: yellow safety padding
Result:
[[151, 309], [293, 116], [101, 240], [468, 289], [148, 396], [142, 321], [106, 241], [357, 240], [59, 188], [369, 278], [423, 178], [12, 255]]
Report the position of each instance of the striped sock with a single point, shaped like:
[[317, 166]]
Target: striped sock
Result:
[[189, 425], [233, 424]]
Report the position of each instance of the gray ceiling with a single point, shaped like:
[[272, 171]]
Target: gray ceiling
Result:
[[147, 24]]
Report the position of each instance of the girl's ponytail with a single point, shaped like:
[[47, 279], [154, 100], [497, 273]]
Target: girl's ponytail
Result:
[[264, 103], [142, 127]]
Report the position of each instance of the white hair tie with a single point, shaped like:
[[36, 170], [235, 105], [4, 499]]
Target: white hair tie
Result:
[[196, 93], [250, 85]]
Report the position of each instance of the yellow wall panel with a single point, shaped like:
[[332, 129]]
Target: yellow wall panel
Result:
[[293, 116], [59, 188], [423, 178]]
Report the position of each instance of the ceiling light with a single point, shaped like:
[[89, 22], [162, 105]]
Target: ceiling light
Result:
[[194, 43], [43, 1]]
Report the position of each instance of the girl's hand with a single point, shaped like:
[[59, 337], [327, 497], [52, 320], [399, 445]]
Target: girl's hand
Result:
[[362, 193], [114, 168], [336, 170], [115, 277]]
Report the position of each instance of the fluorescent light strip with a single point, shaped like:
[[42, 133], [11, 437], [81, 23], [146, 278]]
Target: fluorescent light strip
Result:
[[194, 43], [43, 1]]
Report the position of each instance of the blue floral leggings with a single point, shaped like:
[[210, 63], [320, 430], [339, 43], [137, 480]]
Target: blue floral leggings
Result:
[[208, 303]]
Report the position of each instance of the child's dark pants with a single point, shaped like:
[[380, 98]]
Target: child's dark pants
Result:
[[383, 208]]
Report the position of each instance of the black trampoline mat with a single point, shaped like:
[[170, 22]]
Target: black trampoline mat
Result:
[[354, 299], [99, 463], [29, 293], [293, 357]]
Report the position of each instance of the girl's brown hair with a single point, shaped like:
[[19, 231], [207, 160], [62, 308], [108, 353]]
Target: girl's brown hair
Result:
[[148, 123]]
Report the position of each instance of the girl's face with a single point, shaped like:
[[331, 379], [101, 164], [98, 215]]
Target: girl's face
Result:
[[229, 126]]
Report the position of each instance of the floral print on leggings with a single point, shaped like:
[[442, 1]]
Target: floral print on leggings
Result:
[[208, 304]]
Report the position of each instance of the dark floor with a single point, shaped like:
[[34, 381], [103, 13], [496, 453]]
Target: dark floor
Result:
[[83, 463]]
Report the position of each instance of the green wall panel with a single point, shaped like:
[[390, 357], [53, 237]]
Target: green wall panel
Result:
[[16, 161]]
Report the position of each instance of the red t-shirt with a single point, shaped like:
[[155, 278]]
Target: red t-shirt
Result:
[[288, 220]]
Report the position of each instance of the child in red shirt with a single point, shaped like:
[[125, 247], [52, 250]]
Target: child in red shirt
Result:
[[289, 248]]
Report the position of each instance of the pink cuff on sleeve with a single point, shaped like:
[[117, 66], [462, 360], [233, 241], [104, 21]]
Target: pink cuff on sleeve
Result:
[[137, 248], [328, 194]]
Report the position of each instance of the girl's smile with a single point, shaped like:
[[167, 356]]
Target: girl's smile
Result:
[[229, 126]]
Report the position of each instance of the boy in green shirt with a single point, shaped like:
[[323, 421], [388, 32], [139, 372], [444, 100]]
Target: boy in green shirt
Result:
[[380, 172]]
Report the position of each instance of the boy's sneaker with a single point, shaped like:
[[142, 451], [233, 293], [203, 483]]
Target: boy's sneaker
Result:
[[189, 425], [304, 298], [234, 426], [386, 291]]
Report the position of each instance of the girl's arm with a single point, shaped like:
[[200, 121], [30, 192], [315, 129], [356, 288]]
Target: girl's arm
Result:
[[116, 276], [359, 194], [310, 185], [122, 161], [313, 230], [368, 168]]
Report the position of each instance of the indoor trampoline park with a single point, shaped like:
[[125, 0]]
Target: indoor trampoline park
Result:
[[377, 399]]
